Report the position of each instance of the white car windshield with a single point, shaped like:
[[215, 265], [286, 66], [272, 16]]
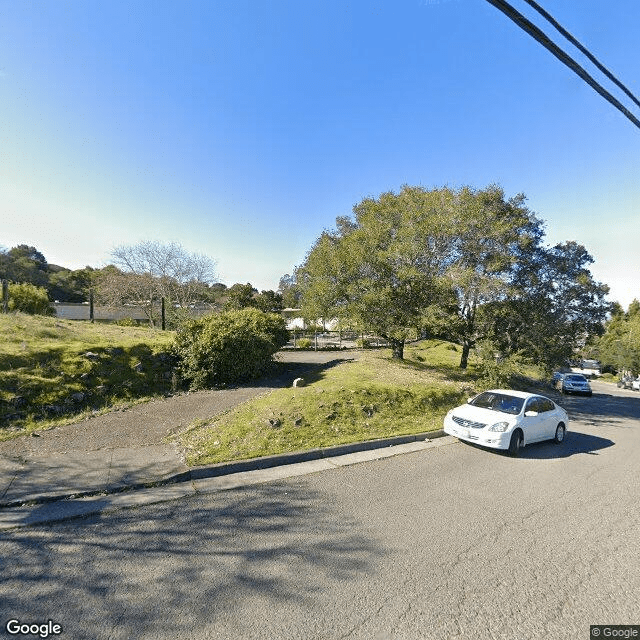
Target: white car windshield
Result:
[[577, 378], [498, 402]]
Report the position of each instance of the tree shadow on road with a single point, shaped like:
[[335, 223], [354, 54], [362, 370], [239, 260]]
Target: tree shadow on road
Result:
[[183, 569], [602, 408]]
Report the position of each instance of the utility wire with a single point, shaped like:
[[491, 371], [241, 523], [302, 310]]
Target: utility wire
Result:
[[540, 37], [549, 18]]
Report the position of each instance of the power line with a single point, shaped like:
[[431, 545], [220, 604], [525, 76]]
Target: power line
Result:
[[538, 35], [549, 18]]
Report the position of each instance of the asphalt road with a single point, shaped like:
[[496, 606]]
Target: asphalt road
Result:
[[452, 542]]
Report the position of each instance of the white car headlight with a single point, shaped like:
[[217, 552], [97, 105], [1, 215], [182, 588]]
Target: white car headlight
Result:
[[499, 426]]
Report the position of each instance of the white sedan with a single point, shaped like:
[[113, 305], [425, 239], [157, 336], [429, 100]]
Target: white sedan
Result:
[[506, 419]]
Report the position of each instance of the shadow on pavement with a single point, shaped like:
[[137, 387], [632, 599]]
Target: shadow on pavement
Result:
[[88, 473], [166, 571], [603, 408], [574, 443]]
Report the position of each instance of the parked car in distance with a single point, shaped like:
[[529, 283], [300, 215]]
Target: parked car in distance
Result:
[[589, 368], [626, 382], [508, 420], [635, 385], [574, 383]]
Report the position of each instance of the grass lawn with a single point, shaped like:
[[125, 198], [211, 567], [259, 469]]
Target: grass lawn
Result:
[[372, 397], [52, 369]]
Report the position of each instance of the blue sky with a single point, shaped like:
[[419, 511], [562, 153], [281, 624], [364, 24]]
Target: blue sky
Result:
[[241, 129]]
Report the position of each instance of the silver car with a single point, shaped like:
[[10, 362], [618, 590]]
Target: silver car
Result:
[[575, 383]]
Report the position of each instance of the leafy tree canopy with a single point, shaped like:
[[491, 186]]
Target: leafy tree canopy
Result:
[[240, 296], [30, 253], [289, 291], [244, 296], [555, 308], [25, 264], [269, 301], [619, 346], [465, 264]]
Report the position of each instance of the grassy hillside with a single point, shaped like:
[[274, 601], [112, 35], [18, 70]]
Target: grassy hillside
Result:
[[51, 369], [54, 371], [373, 397]]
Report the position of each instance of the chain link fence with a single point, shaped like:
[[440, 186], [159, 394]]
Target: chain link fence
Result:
[[301, 339]]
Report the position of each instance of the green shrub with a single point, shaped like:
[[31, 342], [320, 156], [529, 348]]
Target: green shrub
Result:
[[30, 299], [127, 322], [495, 370], [228, 347], [304, 343]]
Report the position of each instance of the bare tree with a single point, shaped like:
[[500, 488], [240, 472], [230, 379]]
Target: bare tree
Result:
[[151, 270], [180, 275], [115, 288]]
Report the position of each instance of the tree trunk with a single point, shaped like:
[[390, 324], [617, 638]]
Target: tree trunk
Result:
[[464, 360], [469, 316], [397, 349]]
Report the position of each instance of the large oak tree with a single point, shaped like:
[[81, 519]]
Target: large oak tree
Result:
[[383, 267], [467, 264]]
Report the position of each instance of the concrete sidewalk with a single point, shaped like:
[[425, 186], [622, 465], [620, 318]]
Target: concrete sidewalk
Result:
[[56, 487], [57, 476]]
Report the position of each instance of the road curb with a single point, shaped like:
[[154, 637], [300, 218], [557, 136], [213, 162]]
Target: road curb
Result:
[[32, 514], [266, 462], [229, 468]]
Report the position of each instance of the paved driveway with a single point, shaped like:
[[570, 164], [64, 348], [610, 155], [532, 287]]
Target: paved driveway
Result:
[[128, 446], [149, 423]]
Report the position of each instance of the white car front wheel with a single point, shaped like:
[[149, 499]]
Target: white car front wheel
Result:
[[516, 444]]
